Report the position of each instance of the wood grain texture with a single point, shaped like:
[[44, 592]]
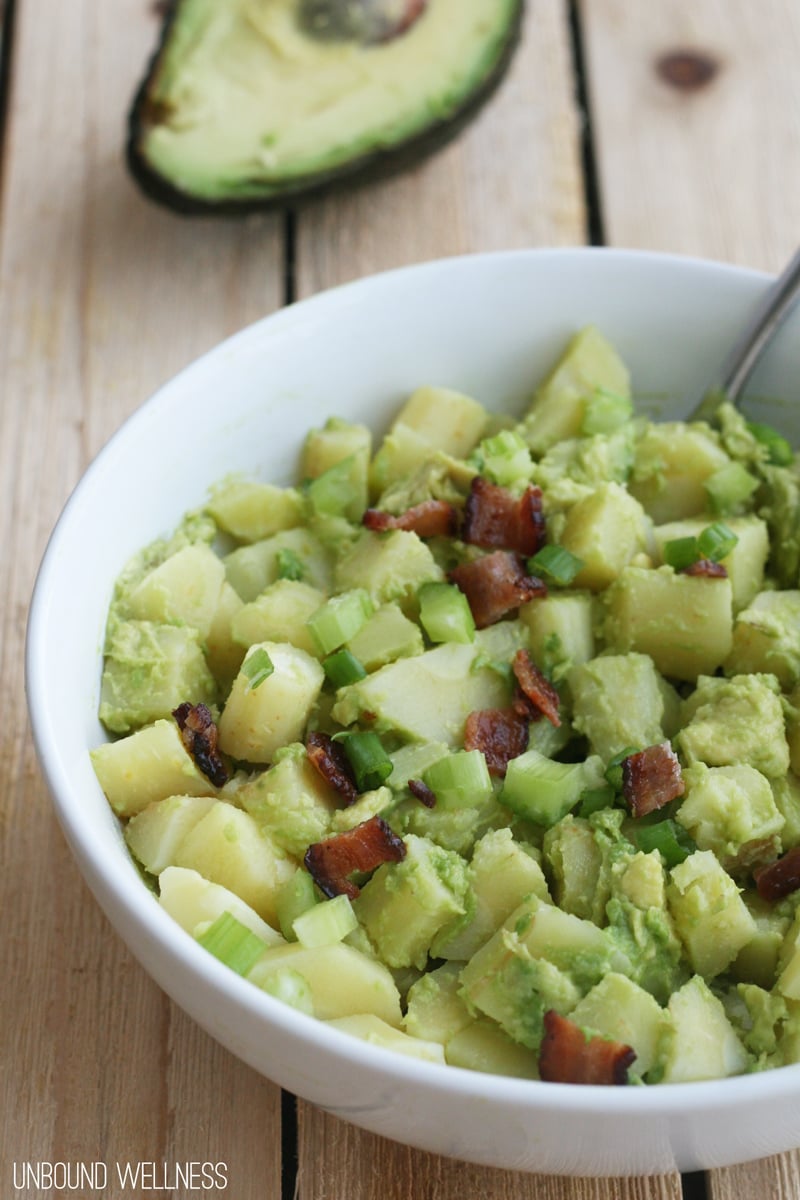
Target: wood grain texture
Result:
[[377, 1169], [512, 179], [775, 1178], [712, 171], [102, 297]]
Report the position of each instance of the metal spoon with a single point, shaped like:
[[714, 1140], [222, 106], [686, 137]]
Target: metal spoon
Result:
[[775, 305]]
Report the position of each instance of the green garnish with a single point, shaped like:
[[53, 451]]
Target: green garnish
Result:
[[232, 943], [257, 667], [557, 563], [342, 667], [715, 542], [370, 762], [780, 452], [289, 565]]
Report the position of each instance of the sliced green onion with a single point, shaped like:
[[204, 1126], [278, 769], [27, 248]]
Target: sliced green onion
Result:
[[339, 619], [594, 799], [729, 487], [325, 923], [613, 771], [460, 780], [289, 565], [505, 458], [716, 541], [780, 451], [681, 552], [295, 896], [669, 838], [232, 943], [342, 667], [290, 987], [605, 412], [557, 563], [257, 667], [370, 762], [445, 614]]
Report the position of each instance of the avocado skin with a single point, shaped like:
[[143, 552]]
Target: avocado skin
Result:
[[377, 164]]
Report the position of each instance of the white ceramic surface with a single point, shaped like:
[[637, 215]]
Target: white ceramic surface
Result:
[[490, 326]]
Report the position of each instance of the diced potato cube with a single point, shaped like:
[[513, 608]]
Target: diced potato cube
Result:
[[153, 835], [336, 441], [290, 801], [619, 1009], [710, 916], [432, 419], [605, 529], [184, 589], [757, 961], [483, 1046], [701, 1042], [250, 569], [766, 638], [560, 625], [148, 765], [725, 808], [435, 1010], [576, 864], [251, 511], [258, 721], [196, 903], [343, 981], [745, 563], [738, 720], [684, 622], [372, 1029], [223, 653], [671, 465], [279, 614], [619, 700], [226, 846], [389, 566]]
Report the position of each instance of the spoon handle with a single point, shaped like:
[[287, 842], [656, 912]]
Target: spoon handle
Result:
[[775, 305]]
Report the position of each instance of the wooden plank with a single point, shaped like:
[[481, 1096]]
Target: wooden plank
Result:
[[372, 1168], [775, 1178], [512, 179], [711, 170], [102, 296]]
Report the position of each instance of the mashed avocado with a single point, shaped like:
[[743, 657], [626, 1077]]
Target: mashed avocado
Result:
[[576, 804]]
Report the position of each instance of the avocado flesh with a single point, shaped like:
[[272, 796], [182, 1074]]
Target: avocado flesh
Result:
[[241, 108]]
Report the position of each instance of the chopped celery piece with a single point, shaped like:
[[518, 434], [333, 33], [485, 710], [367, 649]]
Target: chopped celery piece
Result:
[[540, 789], [505, 458], [339, 619], [342, 667], [669, 838], [780, 451], [325, 923], [295, 896], [557, 563], [445, 614], [232, 943], [291, 987], [257, 667], [370, 762], [289, 566], [460, 780], [716, 541], [339, 491], [605, 412], [729, 487]]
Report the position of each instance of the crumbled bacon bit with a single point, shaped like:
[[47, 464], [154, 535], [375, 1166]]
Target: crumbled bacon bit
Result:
[[494, 585], [330, 760], [432, 518], [330, 862], [494, 517], [537, 691], [651, 778], [707, 568], [422, 792], [199, 736], [780, 878], [499, 733], [567, 1056]]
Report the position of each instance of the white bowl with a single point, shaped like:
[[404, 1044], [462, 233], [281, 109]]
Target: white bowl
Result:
[[490, 326]]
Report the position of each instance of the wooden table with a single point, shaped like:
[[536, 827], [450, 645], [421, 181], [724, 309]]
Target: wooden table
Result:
[[597, 134]]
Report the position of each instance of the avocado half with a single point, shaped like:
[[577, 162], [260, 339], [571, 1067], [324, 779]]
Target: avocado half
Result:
[[242, 108]]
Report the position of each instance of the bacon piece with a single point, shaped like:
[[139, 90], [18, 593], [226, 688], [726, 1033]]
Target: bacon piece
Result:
[[537, 691], [432, 518], [651, 778], [499, 733], [330, 760], [705, 567], [199, 736], [567, 1056], [360, 849], [494, 585], [422, 792], [780, 878], [494, 517]]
